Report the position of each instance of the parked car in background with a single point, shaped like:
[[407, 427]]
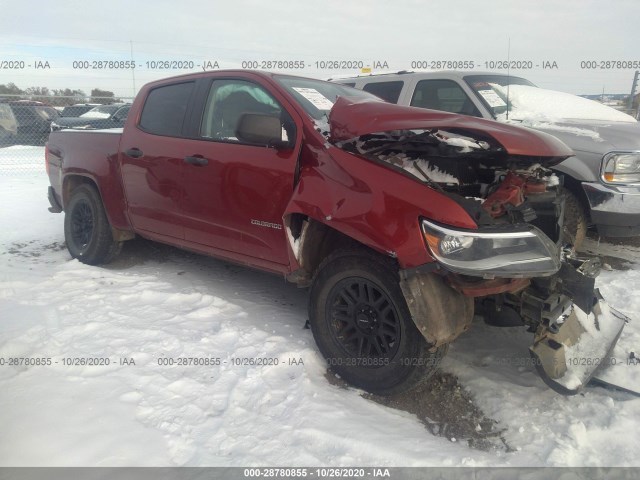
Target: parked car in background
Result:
[[34, 121], [8, 125], [104, 116], [602, 180], [77, 109]]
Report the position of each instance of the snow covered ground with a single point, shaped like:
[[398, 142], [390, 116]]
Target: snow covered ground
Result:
[[156, 303]]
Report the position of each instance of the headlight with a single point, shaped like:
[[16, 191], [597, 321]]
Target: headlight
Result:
[[621, 167], [521, 251]]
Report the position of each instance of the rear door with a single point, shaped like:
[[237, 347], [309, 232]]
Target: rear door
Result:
[[152, 154]]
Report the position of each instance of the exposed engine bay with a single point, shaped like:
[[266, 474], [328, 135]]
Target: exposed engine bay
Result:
[[494, 187], [503, 193]]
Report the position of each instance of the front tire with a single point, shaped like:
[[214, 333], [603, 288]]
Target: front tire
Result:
[[575, 219], [362, 325], [86, 229]]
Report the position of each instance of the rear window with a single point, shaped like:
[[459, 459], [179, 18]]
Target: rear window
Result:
[[165, 109], [29, 114], [388, 91], [444, 95]]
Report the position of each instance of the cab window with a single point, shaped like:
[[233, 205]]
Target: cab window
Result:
[[229, 100], [388, 91], [165, 109], [444, 95]]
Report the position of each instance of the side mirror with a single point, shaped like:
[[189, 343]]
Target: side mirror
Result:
[[261, 129]]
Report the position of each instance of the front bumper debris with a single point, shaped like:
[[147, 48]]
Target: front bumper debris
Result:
[[568, 357]]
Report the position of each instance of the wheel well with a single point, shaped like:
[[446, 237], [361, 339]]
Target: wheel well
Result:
[[575, 187], [71, 183], [317, 242]]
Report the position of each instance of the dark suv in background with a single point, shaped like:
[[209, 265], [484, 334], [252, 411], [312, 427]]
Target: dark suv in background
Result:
[[33, 121], [104, 116]]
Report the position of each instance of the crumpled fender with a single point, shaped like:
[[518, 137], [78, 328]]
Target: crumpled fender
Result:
[[352, 117], [369, 202]]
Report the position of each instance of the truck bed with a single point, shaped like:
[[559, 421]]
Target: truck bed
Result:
[[83, 152]]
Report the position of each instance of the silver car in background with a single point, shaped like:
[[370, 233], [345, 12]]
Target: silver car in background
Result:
[[602, 180]]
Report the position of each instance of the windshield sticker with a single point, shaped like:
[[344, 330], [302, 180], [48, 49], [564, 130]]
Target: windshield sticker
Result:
[[492, 98], [315, 97]]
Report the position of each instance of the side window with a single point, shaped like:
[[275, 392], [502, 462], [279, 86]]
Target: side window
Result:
[[5, 112], [230, 100], [445, 95], [164, 110], [23, 116], [388, 91]]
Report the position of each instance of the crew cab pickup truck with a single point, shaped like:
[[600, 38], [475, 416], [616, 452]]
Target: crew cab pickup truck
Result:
[[402, 221]]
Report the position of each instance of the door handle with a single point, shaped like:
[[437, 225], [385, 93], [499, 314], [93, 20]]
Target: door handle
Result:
[[197, 161], [134, 153]]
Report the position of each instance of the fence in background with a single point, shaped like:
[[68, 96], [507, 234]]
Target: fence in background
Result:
[[26, 122]]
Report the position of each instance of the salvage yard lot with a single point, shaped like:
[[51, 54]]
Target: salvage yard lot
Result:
[[156, 304]]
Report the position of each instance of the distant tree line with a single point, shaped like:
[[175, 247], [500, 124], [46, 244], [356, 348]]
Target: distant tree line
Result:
[[56, 97]]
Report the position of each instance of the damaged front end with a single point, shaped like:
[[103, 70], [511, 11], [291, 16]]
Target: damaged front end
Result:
[[518, 266]]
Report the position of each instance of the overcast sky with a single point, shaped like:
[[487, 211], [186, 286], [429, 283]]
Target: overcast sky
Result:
[[397, 32]]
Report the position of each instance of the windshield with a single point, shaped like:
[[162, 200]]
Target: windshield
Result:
[[123, 112], [104, 111], [532, 105], [317, 96], [75, 110], [47, 113], [487, 89]]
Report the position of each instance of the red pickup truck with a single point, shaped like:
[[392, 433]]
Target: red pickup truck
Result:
[[402, 221]]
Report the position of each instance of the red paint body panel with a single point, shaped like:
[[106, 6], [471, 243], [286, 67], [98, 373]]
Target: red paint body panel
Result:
[[352, 118], [213, 209], [154, 183], [371, 203], [93, 155], [241, 183]]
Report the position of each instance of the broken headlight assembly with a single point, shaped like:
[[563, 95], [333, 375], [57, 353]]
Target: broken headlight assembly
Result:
[[520, 251], [621, 167]]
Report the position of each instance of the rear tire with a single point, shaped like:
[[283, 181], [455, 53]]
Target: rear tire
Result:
[[86, 229], [363, 327], [575, 219]]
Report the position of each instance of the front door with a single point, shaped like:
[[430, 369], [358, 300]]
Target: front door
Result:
[[236, 194]]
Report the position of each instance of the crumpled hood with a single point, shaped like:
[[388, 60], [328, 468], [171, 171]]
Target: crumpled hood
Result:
[[597, 136], [352, 117]]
